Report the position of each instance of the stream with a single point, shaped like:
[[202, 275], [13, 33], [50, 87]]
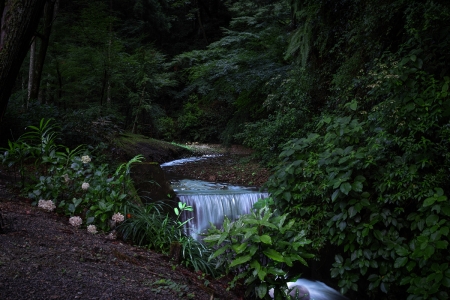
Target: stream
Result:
[[212, 201]]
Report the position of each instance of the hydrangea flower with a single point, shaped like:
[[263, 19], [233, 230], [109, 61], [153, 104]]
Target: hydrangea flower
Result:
[[111, 235], [66, 177], [75, 221], [85, 159], [118, 217], [85, 185], [46, 204], [92, 229]]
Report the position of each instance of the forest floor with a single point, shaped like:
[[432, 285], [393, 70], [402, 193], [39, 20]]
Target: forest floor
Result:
[[43, 257]]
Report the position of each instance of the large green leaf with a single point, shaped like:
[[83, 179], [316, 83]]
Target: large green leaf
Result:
[[220, 251], [240, 260], [346, 187], [239, 248], [400, 262], [273, 254], [261, 290], [266, 239]]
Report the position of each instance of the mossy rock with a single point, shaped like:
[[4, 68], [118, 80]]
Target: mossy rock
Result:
[[151, 183], [129, 145]]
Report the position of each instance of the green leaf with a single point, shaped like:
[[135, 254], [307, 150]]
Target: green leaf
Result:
[[335, 195], [239, 248], [351, 212], [429, 201], [441, 244], [446, 282], [428, 251], [339, 259], [402, 251], [266, 239], [261, 290], [273, 254], [400, 262], [357, 186], [346, 187], [255, 265], [240, 260], [212, 238], [444, 230], [439, 192], [410, 266], [432, 220], [262, 274]]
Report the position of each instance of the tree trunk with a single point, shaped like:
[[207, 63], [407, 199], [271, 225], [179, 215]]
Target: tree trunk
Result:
[[18, 22], [108, 89], [31, 70], [45, 38]]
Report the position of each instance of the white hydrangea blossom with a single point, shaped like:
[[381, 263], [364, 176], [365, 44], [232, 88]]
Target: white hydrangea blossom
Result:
[[118, 217], [85, 159], [92, 229], [85, 186], [66, 177], [46, 204], [75, 221], [111, 235]]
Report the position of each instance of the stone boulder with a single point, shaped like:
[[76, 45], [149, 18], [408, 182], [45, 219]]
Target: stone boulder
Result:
[[151, 183]]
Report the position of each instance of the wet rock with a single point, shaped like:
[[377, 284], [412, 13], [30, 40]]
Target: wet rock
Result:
[[151, 183]]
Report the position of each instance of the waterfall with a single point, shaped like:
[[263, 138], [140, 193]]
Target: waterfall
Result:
[[212, 208]]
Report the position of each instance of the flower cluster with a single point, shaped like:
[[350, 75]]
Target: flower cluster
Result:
[[85, 159], [85, 186], [75, 221], [66, 177], [46, 204], [111, 235], [118, 217], [92, 229]]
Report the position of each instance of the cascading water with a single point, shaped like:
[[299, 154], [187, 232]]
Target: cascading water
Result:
[[212, 208], [211, 202]]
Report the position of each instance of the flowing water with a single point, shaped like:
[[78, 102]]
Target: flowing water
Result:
[[212, 201]]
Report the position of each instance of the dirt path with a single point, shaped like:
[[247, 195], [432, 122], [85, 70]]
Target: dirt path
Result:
[[43, 257]]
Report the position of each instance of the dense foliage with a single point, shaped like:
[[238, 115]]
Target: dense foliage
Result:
[[347, 100], [260, 248]]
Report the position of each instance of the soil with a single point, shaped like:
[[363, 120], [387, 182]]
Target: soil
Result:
[[43, 257]]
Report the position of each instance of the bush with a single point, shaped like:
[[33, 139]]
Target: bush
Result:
[[151, 227], [69, 177], [259, 248], [374, 183]]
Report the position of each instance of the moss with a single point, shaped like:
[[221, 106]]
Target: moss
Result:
[[151, 149]]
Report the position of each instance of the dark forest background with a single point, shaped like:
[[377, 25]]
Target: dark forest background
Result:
[[346, 100]]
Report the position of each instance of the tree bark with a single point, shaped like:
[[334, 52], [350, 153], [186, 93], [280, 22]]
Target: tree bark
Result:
[[49, 12], [18, 22], [31, 71]]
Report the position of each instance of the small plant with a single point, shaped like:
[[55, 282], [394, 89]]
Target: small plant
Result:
[[180, 289], [149, 226], [259, 248]]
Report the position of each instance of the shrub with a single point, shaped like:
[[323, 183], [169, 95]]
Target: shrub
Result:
[[374, 183], [259, 248]]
